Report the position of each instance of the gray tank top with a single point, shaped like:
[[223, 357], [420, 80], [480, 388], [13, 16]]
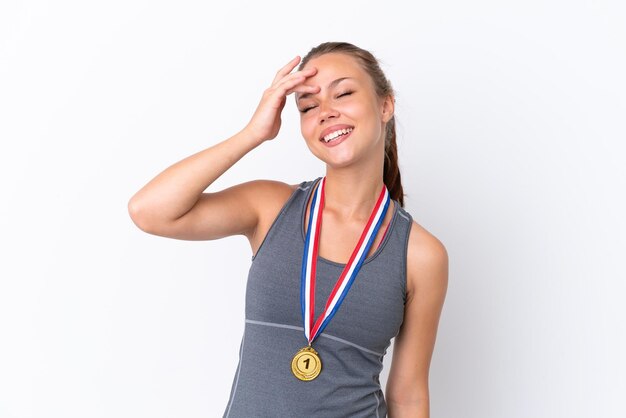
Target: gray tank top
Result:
[[352, 345]]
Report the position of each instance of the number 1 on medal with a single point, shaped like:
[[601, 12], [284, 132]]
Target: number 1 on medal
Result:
[[306, 364]]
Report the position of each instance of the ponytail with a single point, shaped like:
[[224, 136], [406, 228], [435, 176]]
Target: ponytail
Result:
[[391, 172]]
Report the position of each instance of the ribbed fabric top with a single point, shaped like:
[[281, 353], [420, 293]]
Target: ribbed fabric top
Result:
[[352, 345]]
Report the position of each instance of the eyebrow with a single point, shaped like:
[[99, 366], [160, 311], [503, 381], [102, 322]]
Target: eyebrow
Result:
[[330, 86]]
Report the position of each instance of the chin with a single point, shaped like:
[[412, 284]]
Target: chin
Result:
[[341, 156], [339, 161]]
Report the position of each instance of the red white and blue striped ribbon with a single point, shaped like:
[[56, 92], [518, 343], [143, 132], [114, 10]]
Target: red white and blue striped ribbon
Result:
[[309, 262]]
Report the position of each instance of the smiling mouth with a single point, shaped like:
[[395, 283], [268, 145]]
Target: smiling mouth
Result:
[[333, 136]]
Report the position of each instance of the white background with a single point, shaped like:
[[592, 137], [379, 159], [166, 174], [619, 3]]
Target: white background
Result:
[[511, 134]]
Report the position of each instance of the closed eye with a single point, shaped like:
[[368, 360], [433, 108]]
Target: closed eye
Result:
[[306, 109]]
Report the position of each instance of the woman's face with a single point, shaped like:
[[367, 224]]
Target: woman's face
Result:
[[345, 121]]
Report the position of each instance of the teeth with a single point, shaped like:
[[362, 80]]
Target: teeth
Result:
[[336, 134]]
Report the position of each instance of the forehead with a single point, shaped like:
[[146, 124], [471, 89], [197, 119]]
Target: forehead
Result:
[[335, 65]]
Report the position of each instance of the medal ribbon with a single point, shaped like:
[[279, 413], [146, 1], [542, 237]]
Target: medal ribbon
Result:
[[309, 262]]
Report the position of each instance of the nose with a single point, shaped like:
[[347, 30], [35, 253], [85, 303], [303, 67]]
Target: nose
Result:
[[327, 111]]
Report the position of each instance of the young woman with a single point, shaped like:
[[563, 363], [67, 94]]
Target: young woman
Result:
[[339, 268]]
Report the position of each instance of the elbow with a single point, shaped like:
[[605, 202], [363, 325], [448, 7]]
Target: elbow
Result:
[[408, 396], [408, 402], [408, 407], [139, 215]]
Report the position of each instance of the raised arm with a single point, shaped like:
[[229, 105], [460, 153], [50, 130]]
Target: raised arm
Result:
[[174, 203], [407, 390]]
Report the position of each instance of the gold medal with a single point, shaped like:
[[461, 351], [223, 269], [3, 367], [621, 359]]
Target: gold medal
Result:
[[306, 364]]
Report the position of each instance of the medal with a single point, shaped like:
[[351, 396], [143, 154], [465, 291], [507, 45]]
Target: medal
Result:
[[306, 364]]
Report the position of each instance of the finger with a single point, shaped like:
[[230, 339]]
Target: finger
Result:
[[303, 88], [292, 79], [306, 73], [287, 84], [286, 69]]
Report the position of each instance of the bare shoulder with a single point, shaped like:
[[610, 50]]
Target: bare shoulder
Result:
[[270, 193], [268, 196], [427, 261], [261, 191], [271, 196], [268, 189]]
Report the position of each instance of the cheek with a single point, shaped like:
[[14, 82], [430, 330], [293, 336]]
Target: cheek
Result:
[[355, 110], [307, 126]]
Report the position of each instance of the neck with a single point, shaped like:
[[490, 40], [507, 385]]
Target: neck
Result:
[[352, 192]]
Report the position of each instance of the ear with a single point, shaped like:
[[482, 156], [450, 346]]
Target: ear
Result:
[[388, 108]]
